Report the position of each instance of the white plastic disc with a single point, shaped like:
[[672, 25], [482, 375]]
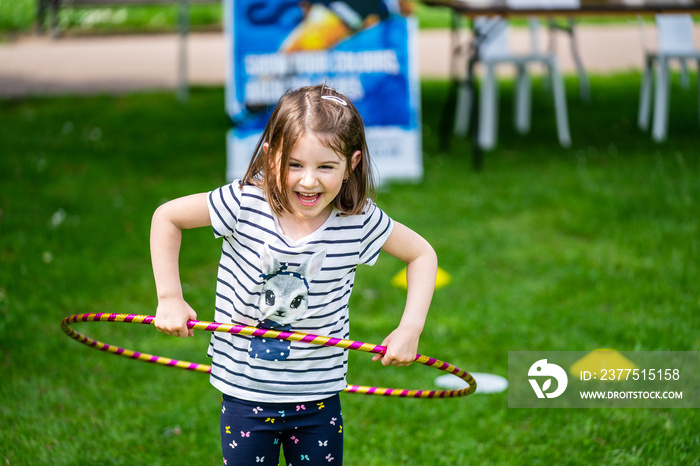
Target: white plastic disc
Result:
[[485, 383]]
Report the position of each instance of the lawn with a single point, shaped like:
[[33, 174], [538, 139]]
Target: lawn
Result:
[[596, 246], [18, 16]]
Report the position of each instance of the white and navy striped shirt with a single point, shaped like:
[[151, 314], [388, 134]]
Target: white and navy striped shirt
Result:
[[242, 216]]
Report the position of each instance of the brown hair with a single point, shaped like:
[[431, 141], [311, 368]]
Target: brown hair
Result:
[[335, 121]]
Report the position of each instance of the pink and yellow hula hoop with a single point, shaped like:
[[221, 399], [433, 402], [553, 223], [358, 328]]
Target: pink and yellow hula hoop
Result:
[[267, 333]]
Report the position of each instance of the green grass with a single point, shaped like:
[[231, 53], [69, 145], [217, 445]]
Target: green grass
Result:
[[18, 16], [548, 248]]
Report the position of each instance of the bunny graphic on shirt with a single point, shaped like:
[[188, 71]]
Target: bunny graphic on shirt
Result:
[[283, 300]]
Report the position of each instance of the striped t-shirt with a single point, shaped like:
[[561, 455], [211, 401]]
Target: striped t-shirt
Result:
[[302, 372]]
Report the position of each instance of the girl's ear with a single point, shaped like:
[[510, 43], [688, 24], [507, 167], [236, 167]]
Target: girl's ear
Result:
[[266, 147], [355, 159]]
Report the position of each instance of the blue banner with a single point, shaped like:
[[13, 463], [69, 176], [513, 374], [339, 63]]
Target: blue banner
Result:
[[364, 49]]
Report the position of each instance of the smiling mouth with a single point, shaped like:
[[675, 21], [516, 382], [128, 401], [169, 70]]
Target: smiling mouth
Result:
[[308, 199]]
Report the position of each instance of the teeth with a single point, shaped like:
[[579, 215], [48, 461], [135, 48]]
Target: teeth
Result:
[[308, 198]]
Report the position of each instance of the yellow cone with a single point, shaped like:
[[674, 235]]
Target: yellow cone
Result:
[[597, 360], [442, 279]]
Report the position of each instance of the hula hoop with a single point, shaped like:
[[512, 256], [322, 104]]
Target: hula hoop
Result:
[[267, 333]]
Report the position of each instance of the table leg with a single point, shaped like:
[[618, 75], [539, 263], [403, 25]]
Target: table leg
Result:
[[448, 112], [477, 155]]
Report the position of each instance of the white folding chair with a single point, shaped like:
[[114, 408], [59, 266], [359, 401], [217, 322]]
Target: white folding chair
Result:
[[568, 26], [493, 51], [674, 42]]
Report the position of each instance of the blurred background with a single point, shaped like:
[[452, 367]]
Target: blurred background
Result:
[[549, 246]]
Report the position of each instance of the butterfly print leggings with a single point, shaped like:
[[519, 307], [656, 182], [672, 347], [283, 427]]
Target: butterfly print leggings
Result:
[[309, 433]]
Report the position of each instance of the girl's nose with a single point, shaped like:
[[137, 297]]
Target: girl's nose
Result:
[[308, 179]]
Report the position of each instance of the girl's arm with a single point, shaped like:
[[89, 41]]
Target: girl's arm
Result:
[[421, 260], [168, 222]]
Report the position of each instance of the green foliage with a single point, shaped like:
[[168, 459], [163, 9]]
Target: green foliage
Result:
[[432, 18], [18, 16], [548, 249]]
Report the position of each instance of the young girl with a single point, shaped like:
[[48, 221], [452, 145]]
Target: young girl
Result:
[[300, 218]]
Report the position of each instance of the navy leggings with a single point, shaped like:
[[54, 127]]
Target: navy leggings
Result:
[[310, 433]]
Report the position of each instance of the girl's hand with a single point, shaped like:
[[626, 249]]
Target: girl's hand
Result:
[[172, 316], [401, 347]]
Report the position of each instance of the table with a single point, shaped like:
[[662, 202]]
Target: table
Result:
[[471, 9], [586, 7]]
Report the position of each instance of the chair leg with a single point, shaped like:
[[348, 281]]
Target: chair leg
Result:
[[54, 7], [560, 106], [698, 65], [661, 102], [583, 84], [523, 100], [488, 109], [40, 16], [462, 110], [685, 76], [547, 76], [645, 96]]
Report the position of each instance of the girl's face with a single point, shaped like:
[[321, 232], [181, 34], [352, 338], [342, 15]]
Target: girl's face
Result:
[[315, 176]]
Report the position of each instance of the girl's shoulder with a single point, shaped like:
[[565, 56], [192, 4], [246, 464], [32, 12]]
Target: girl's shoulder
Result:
[[370, 206], [371, 209], [241, 191], [236, 197], [370, 216]]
